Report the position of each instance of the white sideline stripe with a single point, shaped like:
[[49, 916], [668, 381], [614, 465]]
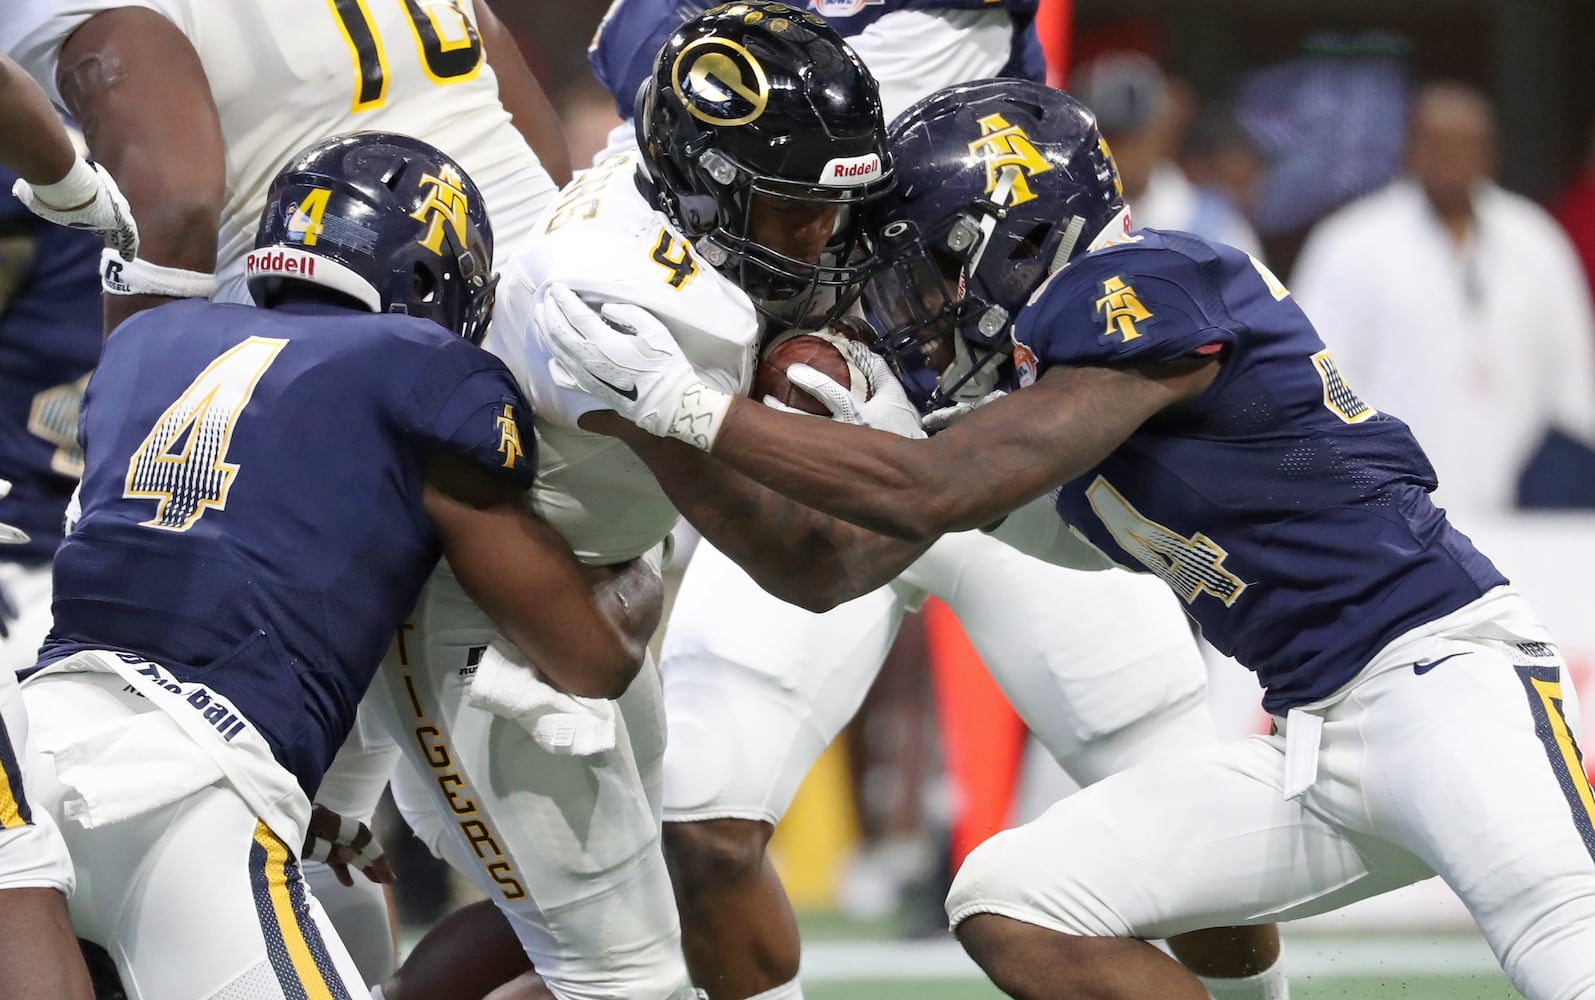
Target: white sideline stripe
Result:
[[1305, 956]]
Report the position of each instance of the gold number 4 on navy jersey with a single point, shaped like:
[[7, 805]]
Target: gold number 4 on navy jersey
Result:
[[182, 463]]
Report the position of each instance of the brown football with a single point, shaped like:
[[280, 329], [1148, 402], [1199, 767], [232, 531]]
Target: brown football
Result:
[[818, 350]]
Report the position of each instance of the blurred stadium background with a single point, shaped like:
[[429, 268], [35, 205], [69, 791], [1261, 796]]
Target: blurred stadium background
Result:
[[936, 762]]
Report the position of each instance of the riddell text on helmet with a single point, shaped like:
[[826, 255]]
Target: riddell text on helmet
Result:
[[850, 170], [280, 262]]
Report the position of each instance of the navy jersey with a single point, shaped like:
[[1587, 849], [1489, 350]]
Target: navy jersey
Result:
[[633, 31], [49, 340], [252, 504], [1293, 520]]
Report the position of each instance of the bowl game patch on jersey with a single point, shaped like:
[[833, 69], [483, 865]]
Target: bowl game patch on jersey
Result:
[[842, 8]]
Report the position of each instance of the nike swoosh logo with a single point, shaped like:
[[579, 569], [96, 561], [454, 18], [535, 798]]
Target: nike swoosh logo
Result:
[[630, 394], [1422, 668]]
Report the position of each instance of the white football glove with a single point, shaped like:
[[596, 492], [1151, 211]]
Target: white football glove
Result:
[[101, 209], [887, 408], [10, 534], [943, 418], [625, 357]]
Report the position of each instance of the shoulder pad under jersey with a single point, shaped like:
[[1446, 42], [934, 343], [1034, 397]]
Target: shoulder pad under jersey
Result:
[[1140, 301], [603, 240]]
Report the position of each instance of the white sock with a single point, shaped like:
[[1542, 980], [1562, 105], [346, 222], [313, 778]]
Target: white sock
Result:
[[786, 991], [1270, 984], [376, 993]]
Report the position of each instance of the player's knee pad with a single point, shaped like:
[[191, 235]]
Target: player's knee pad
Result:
[[1000, 876], [620, 941], [742, 762], [714, 852]]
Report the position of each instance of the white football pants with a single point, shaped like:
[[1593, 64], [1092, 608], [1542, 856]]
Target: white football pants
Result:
[[1101, 666], [568, 847], [195, 900], [1467, 770]]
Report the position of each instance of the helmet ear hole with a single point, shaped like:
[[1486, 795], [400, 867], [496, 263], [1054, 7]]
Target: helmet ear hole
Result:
[[1033, 241], [425, 283]]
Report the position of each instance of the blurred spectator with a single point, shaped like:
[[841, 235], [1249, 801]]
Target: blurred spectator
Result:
[[1141, 116], [1457, 306], [1224, 165]]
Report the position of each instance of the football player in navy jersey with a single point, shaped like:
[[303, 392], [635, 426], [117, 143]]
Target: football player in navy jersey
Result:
[[50, 337], [46, 345], [1095, 706], [266, 490], [1176, 413], [38, 160]]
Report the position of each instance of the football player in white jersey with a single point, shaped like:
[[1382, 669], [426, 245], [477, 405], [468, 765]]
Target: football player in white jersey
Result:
[[756, 688], [200, 103], [789, 125]]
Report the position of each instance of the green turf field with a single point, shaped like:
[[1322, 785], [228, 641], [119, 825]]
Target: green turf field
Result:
[[1481, 987], [845, 960]]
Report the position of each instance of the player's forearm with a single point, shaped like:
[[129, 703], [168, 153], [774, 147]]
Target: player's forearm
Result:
[[888, 484], [996, 459], [33, 144], [797, 553]]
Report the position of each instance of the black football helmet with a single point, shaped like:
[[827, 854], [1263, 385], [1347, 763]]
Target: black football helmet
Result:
[[762, 99], [999, 184], [384, 219]]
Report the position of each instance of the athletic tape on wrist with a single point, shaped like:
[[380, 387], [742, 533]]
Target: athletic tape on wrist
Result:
[[140, 277], [698, 416], [79, 187]]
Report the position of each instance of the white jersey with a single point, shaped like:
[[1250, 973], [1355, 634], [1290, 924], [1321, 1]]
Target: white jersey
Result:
[[287, 73], [603, 240]]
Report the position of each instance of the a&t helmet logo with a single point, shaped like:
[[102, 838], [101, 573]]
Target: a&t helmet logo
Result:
[[1002, 145], [720, 82], [446, 201]]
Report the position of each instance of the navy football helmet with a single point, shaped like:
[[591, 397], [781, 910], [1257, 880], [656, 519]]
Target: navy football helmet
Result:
[[755, 99], [384, 219], [999, 184]]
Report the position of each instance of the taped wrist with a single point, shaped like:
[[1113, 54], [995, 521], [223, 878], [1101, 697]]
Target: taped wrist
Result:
[[79, 187], [698, 416], [140, 277]]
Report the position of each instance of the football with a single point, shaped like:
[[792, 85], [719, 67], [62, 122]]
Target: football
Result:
[[823, 350]]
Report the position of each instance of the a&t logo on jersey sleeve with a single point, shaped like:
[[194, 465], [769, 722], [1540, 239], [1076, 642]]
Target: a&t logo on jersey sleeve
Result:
[[509, 437], [446, 201], [1123, 308], [720, 82], [1002, 145]]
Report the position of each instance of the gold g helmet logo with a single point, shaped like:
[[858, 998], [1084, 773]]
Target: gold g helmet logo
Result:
[[719, 82]]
